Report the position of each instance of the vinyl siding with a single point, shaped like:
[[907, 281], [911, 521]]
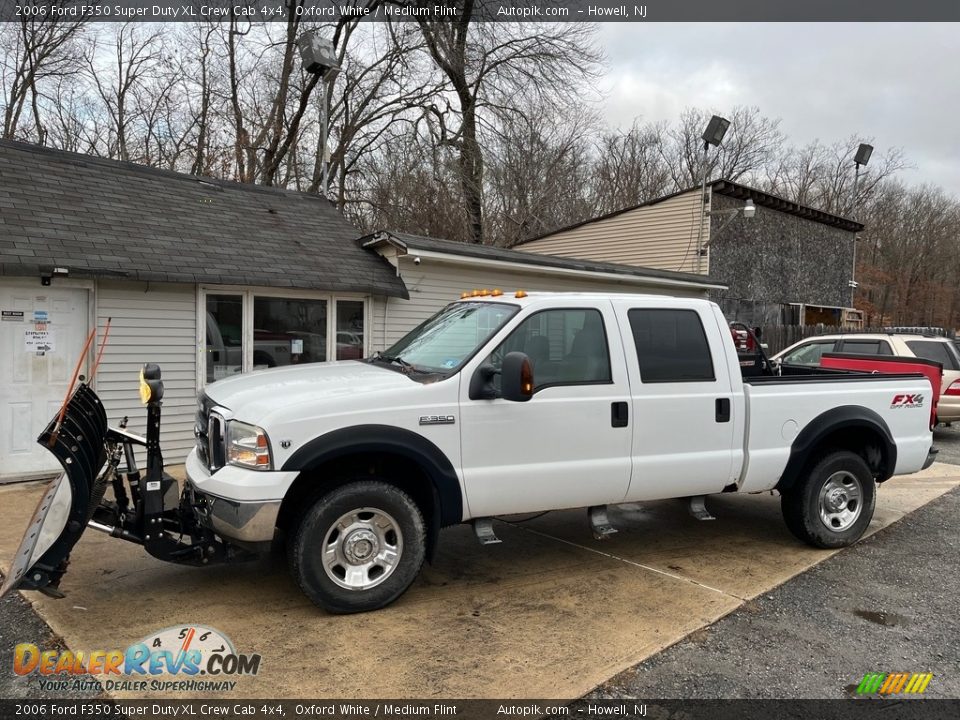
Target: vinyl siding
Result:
[[150, 323], [434, 284], [661, 236]]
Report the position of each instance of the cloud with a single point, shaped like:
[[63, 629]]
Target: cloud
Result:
[[827, 81]]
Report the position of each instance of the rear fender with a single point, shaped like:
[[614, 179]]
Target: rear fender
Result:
[[840, 420]]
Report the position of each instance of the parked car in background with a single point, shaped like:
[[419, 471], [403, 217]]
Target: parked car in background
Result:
[[903, 344]]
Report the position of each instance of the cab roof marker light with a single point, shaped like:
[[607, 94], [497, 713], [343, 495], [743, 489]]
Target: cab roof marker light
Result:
[[497, 292], [520, 294]]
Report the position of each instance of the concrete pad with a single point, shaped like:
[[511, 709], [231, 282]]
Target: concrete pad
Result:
[[747, 549], [548, 613]]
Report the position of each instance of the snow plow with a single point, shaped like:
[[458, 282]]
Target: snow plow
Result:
[[101, 487]]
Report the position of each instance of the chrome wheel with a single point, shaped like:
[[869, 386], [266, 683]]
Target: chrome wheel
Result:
[[362, 549], [841, 500]]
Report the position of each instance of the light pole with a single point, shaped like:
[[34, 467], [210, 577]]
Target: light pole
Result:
[[861, 158], [713, 135], [320, 58]]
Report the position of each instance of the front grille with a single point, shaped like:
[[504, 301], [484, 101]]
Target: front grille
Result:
[[216, 427], [209, 430]]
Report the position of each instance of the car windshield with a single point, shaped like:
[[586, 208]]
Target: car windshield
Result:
[[449, 338]]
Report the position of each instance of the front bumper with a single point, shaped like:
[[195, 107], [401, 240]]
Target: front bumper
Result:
[[238, 505]]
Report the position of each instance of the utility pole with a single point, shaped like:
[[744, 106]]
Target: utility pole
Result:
[[712, 135]]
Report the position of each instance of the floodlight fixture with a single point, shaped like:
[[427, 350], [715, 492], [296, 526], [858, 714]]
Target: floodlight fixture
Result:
[[716, 129]]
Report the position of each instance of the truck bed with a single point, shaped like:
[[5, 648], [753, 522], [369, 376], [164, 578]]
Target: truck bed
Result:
[[778, 407]]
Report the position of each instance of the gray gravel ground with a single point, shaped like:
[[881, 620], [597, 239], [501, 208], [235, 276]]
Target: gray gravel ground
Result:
[[947, 440], [20, 624], [888, 604]]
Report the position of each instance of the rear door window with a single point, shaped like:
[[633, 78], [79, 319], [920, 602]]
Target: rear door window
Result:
[[936, 351], [671, 346], [866, 347]]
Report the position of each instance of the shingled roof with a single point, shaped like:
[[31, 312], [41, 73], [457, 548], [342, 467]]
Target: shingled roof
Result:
[[104, 218]]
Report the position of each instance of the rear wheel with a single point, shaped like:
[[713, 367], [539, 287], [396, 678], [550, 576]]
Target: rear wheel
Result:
[[358, 548], [833, 504]]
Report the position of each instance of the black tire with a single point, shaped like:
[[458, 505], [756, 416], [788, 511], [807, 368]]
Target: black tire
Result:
[[381, 503], [801, 504]]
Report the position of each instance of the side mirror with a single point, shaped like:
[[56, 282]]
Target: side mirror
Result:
[[516, 377], [481, 384]]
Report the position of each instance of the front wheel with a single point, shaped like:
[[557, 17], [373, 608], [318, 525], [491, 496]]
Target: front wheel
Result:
[[833, 504], [358, 548]]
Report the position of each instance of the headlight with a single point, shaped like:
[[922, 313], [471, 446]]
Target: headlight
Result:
[[247, 446]]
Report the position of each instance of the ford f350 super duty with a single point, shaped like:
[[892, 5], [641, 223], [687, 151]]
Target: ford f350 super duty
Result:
[[498, 404]]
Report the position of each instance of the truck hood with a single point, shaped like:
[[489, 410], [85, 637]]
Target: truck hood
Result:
[[251, 397]]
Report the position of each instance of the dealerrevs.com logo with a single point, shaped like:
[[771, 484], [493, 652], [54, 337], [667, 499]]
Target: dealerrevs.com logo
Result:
[[184, 652], [907, 401]]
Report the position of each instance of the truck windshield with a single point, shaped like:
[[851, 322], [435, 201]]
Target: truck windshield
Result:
[[449, 338]]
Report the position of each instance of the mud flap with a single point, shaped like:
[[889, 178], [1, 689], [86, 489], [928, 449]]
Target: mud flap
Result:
[[61, 517]]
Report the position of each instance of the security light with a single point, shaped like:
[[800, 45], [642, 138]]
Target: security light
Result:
[[317, 54], [749, 209], [716, 129], [863, 154]]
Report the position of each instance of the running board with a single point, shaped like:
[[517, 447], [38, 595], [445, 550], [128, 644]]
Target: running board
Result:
[[483, 529], [698, 508], [600, 522]]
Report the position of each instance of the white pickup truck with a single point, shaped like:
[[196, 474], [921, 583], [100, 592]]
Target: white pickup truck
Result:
[[503, 404], [530, 402]]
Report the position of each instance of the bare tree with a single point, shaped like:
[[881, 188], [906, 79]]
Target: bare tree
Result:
[[752, 141], [34, 50], [488, 66], [630, 168]]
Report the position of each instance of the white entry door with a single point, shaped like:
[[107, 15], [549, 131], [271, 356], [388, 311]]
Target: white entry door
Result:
[[36, 361]]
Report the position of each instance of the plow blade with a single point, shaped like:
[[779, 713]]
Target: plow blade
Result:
[[79, 444]]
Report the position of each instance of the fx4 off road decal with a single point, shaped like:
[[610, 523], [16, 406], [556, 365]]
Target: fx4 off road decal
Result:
[[907, 401]]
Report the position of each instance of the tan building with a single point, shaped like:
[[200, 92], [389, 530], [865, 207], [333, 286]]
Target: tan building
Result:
[[788, 264]]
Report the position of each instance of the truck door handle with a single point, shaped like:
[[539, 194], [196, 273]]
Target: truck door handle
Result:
[[723, 410], [619, 415]]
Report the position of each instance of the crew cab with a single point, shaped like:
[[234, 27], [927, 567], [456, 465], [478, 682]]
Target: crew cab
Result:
[[516, 403]]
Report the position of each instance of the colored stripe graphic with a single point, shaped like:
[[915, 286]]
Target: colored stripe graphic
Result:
[[894, 683], [870, 683]]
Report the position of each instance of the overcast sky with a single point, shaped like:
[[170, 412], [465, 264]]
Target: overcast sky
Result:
[[899, 83]]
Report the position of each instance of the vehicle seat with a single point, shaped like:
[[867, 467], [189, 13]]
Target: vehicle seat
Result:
[[537, 349], [587, 359]]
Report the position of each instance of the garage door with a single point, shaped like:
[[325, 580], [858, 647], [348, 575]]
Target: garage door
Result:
[[41, 336]]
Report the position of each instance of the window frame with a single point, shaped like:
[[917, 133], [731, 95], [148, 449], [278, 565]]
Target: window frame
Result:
[[881, 343], [914, 341], [606, 340], [247, 295], [706, 341], [804, 344]]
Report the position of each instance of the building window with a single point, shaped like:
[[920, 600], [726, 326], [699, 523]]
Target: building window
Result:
[[349, 329], [255, 330], [288, 331], [224, 330]]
